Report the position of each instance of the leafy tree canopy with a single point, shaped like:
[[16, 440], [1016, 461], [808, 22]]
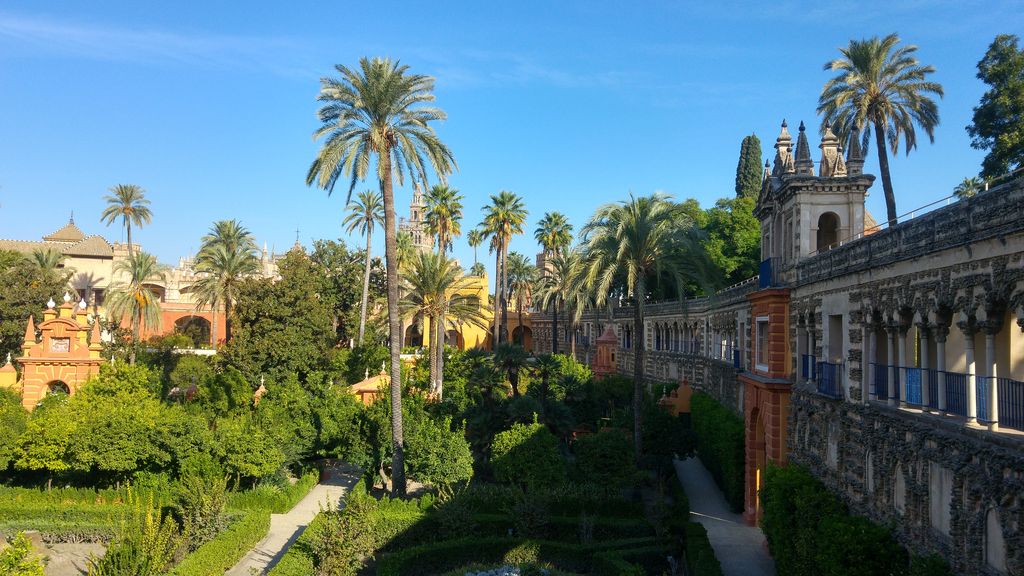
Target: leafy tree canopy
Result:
[[24, 290], [998, 123]]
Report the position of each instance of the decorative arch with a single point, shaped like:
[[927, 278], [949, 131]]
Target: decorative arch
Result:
[[828, 231], [57, 387], [197, 328], [413, 336], [523, 336]]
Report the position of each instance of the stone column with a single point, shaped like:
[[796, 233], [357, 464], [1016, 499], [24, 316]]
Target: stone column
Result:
[[901, 336], [872, 354], [972, 386], [940, 363], [891, 369], [926, 395], [991, 329]]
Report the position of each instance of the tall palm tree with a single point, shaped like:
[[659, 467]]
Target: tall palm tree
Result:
[[640, 238], [511, 359], [48, 259], [881, 87], [129, 203], [563, 285], [226, 257], [503, 219], [379, 110], [132, 297], [443, 218], [475, 238], [443, 215], [522, 278], [432, 288], [553, 233], [365, 212]]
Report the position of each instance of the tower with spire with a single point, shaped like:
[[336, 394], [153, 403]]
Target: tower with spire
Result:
[[416, 225], [804, 211]]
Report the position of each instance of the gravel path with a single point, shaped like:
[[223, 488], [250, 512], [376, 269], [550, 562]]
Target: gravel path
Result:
[[286, 528], [741, 549]]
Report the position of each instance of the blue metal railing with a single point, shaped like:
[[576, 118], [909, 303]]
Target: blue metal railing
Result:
[[981, 384], [807, 367], [932, 381], [913, 377], [829, 380], [736, 362], [956, 393], [1011, 401], [766, 273]]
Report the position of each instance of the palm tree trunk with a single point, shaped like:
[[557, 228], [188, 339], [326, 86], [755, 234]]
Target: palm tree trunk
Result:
[[522, 331], [128, 225], [638, 364], [554, 328], [227, 319], [883, 169], [394, 330], [366, 288], [136, 324], [442, 335], [497, 296], [572, 339], [213, 331], [504, 292], [432, 351]]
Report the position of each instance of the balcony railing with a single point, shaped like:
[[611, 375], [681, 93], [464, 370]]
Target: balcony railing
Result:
[[767, 273], [1011, 401], [807, 367], [881, 382], [914, 393], [956, 393], [830, 380]]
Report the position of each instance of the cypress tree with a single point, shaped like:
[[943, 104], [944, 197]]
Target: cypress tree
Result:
[[748, 170]]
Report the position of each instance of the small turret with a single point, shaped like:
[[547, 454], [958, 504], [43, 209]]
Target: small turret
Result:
[[783, 152], [30, 335], [832, 164], [855, 157], [804, 164]]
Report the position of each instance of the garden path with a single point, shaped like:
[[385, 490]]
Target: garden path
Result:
[[741, 549], [286, 528]]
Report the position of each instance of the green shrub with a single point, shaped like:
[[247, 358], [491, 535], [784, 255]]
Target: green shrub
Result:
[[664, 437], [19, 560], [227, 548], [527, 455], [700, 556], [809, 531], [143, 548], [273, 498], [605, 458], [437, 455], [200, 506], [719, 435]]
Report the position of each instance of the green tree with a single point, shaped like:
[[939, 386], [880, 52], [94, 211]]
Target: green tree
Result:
[[563, 286], [527, 454], [380, 110], [48, 259], [639, 238], [437, 454], [998, 123], [511, 359], [340, 272], [733, 239], [475, 238], [45, 445], [969, 188], [436, 289], [880, 87], [129, 204], [365, 212], [13, 420], [245, 449], [132, 297], [504, 217], [748, 169], [553, 233], [226, 256], [24, 290], [443, 219], [522, 278]]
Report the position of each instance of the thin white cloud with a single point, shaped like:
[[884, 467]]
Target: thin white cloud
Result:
[[44, 35]]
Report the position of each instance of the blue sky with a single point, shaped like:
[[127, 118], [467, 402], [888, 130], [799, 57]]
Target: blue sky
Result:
[[210, 106]]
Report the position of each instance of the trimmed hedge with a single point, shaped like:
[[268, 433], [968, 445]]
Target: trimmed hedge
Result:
[[564, 500], [447, 555], [276, 500], [69, 514], [810, 532], [227, 548], [720, 445], [700, 556]]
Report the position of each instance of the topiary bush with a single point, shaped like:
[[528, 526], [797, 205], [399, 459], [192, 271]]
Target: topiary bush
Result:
[[527, 455], [605, 458], [436, 454], [719, 435]]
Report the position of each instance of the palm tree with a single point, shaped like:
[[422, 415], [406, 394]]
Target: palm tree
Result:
[[379, 109], [640, 238], [544, 368], [226, 257], [444, 215], [553, 233], [884, 88], [128, 203], [503, 218], [511, 358], [563, 285], [48, 259], [404, 252], [365, 212], [132, 297], [522, 278], [432, 288], [475, 238], [969, 187], [477, 269]]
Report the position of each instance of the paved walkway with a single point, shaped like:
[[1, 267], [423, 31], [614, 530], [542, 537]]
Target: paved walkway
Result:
[[741, 549], [286, 528]]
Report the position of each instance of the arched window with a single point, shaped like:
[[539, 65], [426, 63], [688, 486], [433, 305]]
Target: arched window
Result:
[[828, 231], [57, 387], [995, 544]]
